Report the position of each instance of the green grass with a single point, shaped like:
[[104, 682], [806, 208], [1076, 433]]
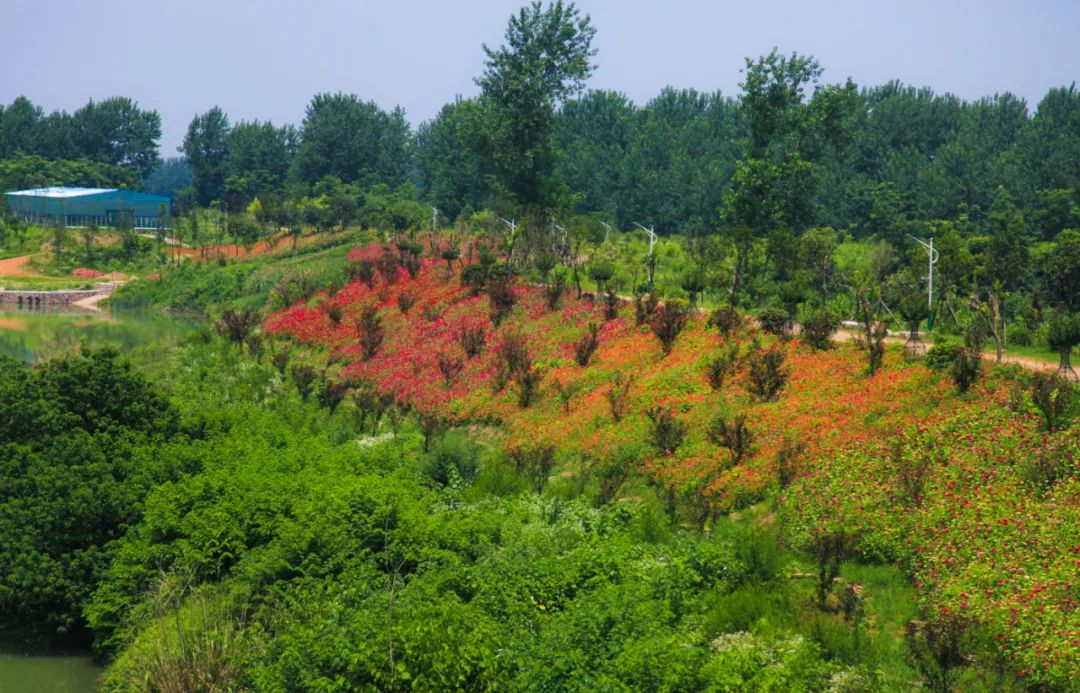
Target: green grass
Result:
[[242, 282], [107, 252], [889, 606], [1041, 353], [46, 283], [27, 243], [783, 599]]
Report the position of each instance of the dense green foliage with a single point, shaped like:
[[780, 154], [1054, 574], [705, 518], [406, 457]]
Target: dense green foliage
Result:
[[170, 177], [25, 171], [80, 443], [352, 141], [114, 131], [876, 161], [545, 60]]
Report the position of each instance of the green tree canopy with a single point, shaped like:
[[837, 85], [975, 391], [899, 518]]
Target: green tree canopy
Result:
[[77, 440], [452, 176], [545, 60], [1061, 271], [205, 147], [116, 131], [354, 141], [259, 155], [1007, 257]]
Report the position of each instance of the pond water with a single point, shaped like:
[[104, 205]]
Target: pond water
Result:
[[26, 671], [32, 335]]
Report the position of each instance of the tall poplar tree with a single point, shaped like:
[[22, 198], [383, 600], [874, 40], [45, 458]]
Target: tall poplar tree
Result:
[[546, 59]]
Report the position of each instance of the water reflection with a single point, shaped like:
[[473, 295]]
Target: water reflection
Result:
[[23, 669], [47, 331]]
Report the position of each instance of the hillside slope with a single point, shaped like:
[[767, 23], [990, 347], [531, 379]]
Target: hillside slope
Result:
[[966, 492]]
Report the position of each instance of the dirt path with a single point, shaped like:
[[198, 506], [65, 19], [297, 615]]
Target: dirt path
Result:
[[989, 355], [90, 302], [231, 250], [17, 267]]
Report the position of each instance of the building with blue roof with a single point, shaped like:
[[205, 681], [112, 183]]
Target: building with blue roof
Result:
[[90, 206]]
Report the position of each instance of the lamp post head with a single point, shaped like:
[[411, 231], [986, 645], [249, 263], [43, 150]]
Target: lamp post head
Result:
[[651, 231]]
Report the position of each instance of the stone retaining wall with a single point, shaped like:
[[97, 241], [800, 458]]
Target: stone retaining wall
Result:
[[52, 298]]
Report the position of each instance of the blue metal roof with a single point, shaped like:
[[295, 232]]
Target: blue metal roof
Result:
[[58, 192]]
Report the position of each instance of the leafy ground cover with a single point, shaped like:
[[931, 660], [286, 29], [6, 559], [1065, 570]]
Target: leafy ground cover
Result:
[[966, 492]]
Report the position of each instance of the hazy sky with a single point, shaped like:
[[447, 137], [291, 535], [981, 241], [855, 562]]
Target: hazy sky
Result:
[[266, 59]]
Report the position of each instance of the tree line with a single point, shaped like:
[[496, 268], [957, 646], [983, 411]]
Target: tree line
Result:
[[787, 151], [114, 131], [872, 160]]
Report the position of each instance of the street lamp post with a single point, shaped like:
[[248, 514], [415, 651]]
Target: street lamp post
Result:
[[651, 231], [932, 257], [560, 228], [512, 224]]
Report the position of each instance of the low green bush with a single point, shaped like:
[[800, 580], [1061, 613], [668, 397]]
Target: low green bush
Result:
[[774, 320], [942, 355]]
